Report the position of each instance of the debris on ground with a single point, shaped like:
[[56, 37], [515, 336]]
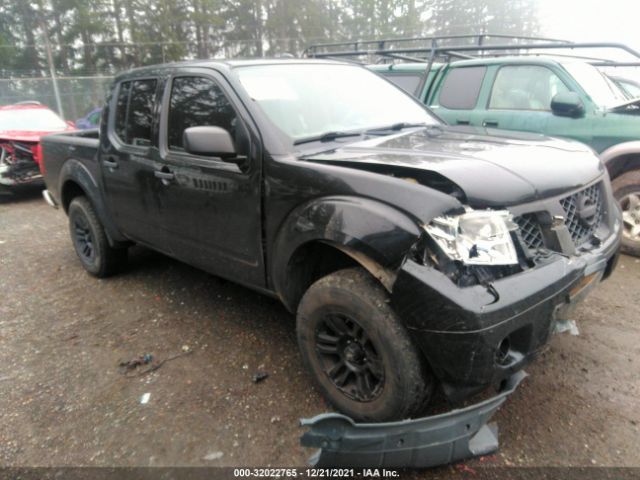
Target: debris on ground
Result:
[[259, 377], [136, 362], [213, 456], [145, 398], [567, 326], [126, 368], [462, 468]]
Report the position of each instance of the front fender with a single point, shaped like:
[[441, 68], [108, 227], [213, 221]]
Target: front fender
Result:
[[371, 228]]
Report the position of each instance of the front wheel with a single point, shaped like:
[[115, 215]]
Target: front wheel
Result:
[[90, 240], [626, 190], [360, 354]]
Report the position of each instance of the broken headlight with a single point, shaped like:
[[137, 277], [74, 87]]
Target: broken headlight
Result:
[[478, 237]]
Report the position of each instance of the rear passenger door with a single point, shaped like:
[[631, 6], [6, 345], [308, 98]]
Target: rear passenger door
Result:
[[126, 160], [211, 208], [456, 97]]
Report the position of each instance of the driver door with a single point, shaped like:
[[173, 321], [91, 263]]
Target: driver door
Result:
[[520, 100], [210, 208]]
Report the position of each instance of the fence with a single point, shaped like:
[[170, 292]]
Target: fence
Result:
[[78, 95]]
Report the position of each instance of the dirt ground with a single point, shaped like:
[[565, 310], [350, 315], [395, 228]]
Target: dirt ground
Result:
[[63, 400]]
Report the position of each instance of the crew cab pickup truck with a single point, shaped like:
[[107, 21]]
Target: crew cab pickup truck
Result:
[[560, 97], [414, 255]]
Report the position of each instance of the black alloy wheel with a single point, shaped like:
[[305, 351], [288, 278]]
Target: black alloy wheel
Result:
[[349, 357], [83, 239]]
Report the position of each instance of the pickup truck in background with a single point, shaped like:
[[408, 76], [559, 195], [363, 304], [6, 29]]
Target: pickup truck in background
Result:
[[556, 96], [414, 255]]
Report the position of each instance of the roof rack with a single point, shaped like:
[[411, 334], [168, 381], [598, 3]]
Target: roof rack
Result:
[[395, 48], [439, 48]]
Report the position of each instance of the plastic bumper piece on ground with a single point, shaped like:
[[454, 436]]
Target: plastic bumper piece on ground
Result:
[[418, 443]]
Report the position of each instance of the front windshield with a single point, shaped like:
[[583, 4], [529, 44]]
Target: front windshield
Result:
[[601, 90], [630, 88], [307, 100], [31, 120]]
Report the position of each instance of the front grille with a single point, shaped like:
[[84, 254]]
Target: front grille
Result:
[[530, 230], [583, 213]]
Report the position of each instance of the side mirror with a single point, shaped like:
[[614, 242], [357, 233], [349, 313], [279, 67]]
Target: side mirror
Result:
[[567, 104], [211, 141]]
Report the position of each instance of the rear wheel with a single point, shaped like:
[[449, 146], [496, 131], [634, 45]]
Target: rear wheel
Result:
[[90, 241], [626, 189], [361, 355]]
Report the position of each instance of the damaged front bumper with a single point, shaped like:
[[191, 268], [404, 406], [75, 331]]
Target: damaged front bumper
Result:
[[18, 166], [477, 336], [419, 443]]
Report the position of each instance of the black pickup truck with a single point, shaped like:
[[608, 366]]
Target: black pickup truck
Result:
[[414, 255]]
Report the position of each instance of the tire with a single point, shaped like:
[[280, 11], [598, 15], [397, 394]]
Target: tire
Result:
[[360, 354], [626, 190], [90, 241]]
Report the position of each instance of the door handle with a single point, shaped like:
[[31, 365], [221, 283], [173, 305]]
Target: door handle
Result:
[[109, 163], [490, 123], [165, 175], [463, 122]]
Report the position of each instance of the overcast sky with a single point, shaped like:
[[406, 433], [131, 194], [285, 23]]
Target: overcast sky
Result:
[[592, 20], [595, 21]]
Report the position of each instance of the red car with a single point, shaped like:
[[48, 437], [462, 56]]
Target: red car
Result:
[[21, 126]]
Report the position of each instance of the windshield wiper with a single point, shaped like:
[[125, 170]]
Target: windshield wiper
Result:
[[396, 127], [327, 137]]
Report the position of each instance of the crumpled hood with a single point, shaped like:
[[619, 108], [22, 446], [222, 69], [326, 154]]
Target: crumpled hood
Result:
[[494, 168]]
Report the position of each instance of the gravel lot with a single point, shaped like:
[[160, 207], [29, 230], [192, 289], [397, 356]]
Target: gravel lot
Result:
[[63, 400]]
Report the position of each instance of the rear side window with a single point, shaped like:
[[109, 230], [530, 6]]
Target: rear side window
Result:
[[140, 117], [409, 83], [134, 112], [198, 101], [121, 110], [461, 88], [525, 87]]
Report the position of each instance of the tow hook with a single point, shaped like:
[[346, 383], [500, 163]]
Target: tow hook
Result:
[[417, 443]]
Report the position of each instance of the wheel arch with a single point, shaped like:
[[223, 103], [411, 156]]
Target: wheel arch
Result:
[[77, 180], [621, 158], [329, 234]]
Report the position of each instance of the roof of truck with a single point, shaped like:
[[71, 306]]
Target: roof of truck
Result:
[[511, 59], [222, 63]]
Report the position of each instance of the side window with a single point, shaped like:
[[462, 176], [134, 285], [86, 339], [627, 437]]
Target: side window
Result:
[[198, 101], [134, 112], [409, 83], [140, 117], [461, 88], [121, 110], [525, 87]]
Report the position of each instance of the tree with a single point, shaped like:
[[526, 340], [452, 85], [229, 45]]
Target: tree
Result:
[[456, 17]]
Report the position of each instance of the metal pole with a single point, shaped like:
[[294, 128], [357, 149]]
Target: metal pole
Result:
[[52, 71]]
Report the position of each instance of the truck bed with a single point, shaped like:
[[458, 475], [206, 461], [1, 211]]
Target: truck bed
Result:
[[80, 146]]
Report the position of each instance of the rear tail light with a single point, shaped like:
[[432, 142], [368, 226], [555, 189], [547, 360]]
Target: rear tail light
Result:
[[37, 156]]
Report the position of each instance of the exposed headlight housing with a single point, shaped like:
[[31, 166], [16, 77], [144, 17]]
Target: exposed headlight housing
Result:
[[478, 237]]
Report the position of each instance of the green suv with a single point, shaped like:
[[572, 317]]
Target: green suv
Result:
[[556, 97], [530, 84]]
